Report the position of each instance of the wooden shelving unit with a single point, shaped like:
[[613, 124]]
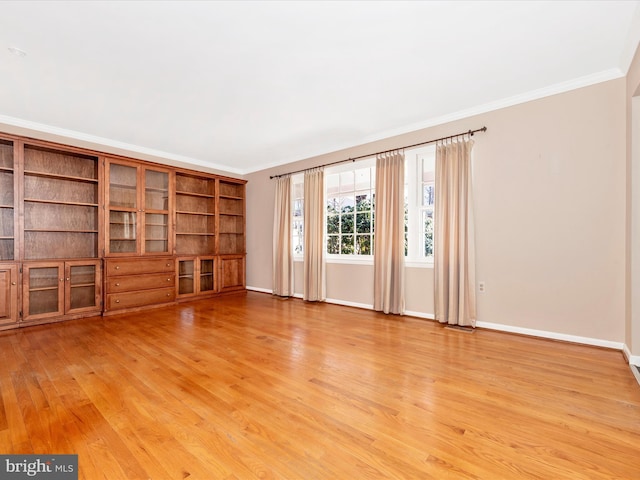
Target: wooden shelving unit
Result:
[[68, 214]]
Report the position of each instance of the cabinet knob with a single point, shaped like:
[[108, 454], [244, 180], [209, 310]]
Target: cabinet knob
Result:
[[62, 279], [168, 279], [117, 268], [117, 284], [13, 283], [168, 294], [117, 301], [68, 279], [168, 264]]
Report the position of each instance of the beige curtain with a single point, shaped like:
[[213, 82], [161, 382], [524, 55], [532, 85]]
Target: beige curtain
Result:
[[282, 251], [454, 246], [388, 252], [314, 257]]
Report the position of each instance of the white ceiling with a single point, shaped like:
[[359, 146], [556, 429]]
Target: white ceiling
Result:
[[242, 86]]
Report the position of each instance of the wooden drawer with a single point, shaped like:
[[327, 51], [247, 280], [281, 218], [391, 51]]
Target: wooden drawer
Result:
[[142, 298], [139, 266], [140, 282]]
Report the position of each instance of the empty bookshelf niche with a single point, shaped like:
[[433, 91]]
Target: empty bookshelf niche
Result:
[[60, 204], [7, 232], [195, 215], [231, 222]]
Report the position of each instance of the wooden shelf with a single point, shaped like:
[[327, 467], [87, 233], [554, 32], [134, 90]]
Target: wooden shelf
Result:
[[193, 194], [60, 177], [182, 212], [43, 289], [58, 231], [6, 238], [6, 169], [60, 202], [6, 206], [232, 214], [231, 197], [196, 234]]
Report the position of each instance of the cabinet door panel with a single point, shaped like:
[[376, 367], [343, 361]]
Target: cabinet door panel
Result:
[[43, 290], [8, 294], [83, 290]]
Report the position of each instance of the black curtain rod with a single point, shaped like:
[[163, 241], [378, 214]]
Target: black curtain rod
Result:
[[470, 133]]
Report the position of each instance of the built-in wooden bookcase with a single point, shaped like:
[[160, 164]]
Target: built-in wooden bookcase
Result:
[[7, 202], [231, 221], [139, 200], [68, 214], [195, 215], [61, 200]]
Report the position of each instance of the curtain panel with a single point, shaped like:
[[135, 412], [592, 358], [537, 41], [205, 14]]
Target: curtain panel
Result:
[[314, 255], [282, 248], [388, 254], [454, 244]]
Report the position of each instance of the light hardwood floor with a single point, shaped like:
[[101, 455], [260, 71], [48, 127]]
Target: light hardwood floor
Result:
[[250, 386]]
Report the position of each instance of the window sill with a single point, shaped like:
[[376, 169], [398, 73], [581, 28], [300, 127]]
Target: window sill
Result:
[[368, 260]]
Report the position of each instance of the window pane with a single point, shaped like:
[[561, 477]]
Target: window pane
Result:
[[333, 184], [346, 224], [333, 205], [297, 207], [363, 222], [428, 168], [427, 222], [346, 182], [428, 194], [363, 179], [333, 224], [346, 247], [333, 244], [363, 201], [347, 203], [363, 244]]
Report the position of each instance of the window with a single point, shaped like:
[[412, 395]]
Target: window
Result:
[[419, 203], [297, 222], [350, 205]]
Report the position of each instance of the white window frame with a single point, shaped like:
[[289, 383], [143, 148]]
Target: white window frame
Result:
[[413, 183], [340, 257]]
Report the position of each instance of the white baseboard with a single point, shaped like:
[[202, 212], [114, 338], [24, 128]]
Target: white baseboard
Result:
[[427, 316], [261, 290], [632, 359], [346, 303], [551, 335]]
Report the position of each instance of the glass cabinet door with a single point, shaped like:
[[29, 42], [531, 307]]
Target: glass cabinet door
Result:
[[186, 277], [206, 275], [43, 290], [82, 287], [156, 211], [123, 208]]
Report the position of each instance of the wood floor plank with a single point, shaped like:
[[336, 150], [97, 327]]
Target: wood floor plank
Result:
[[251, 386]]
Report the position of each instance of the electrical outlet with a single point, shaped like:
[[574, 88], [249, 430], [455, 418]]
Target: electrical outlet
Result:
[[481, 287]]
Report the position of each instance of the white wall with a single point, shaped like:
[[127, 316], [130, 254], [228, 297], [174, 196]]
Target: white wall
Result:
[[550, 180]]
